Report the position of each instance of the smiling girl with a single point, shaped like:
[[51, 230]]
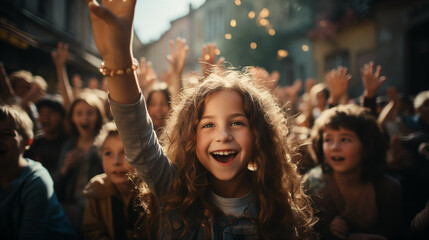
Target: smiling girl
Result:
[[357, 200], [227, 171], [79, 160]]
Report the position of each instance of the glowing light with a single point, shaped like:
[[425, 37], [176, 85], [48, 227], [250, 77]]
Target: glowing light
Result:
[[207, 57], [272, 32], [251, 14], [237, 2], [217, 52], [253, 45], [323, 23], [228, 36], [233, 23], [305, 48], [282, 53], [263, 22], [264, 13]]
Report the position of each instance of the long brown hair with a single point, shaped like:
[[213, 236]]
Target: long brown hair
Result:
[[92, 100], [285, 211]]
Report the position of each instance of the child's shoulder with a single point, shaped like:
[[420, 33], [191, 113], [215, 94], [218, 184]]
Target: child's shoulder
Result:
[[34, 181], [99, 186]]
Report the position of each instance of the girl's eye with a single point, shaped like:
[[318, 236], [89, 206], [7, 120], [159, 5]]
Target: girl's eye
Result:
[[345, 140], [107, 153], [237, 123], [208, 125], [326, 140]]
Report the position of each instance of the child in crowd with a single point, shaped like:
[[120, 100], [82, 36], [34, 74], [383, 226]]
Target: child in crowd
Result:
[[357, 199], [47, 146], [110, 212], [227, 171], [158, 106], [24, 89], [79, 160], [28, 205]]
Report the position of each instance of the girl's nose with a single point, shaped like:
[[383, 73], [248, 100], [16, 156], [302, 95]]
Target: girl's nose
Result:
[[118, 160], [223, 135], [336, 145]]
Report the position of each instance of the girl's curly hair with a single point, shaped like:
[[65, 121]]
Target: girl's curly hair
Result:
[[359, 120], [285, 211]]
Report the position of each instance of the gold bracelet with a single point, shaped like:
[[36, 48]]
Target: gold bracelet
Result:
[[118, 72]]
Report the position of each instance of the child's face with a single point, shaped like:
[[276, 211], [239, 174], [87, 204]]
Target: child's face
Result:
[[50, 120], [158, 109], [85, 117], [11, 143], [342, 150], [21, 87], [114, 163], [224, 139]]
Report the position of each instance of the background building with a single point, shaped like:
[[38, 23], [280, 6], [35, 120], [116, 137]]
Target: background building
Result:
[[30, 30]]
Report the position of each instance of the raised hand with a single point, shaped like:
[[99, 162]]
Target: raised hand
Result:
[[371, 79], [263, 78], [177, 57], [338, 82], [60, 55], [208, 60], [176, 61], [146, 76], [112, 24]]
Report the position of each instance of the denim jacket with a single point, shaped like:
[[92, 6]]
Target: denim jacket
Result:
[[224, 227], [143, 151]]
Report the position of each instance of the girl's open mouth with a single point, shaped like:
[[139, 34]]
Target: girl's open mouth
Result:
[[120, 173], [85, 127], [224, 156], [337, 159]]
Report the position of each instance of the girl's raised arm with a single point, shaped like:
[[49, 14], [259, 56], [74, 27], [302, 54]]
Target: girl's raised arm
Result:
[[112, 24]]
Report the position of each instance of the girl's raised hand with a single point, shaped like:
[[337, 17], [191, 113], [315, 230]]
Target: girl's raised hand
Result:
[[60, 55], [208, 60], [112, 23], [177, 57], [338, 82], [146, 75], [371, 79]]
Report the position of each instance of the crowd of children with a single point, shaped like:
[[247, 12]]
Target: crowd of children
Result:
[[229, 154]]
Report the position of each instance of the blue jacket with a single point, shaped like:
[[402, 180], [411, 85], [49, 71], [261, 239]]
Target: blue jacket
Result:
[[29, 207]]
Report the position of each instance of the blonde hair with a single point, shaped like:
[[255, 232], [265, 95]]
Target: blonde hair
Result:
[[285, 211], [108, 129]]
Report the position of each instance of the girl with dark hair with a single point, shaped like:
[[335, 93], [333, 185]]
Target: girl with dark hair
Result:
[[355, 197]]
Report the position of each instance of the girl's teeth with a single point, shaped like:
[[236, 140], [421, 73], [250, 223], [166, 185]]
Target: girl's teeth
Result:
[[224, 153]]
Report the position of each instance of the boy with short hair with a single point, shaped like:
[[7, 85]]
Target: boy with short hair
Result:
[[29, 206]]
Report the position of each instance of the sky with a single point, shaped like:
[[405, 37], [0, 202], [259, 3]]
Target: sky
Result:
[[153, 17]]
